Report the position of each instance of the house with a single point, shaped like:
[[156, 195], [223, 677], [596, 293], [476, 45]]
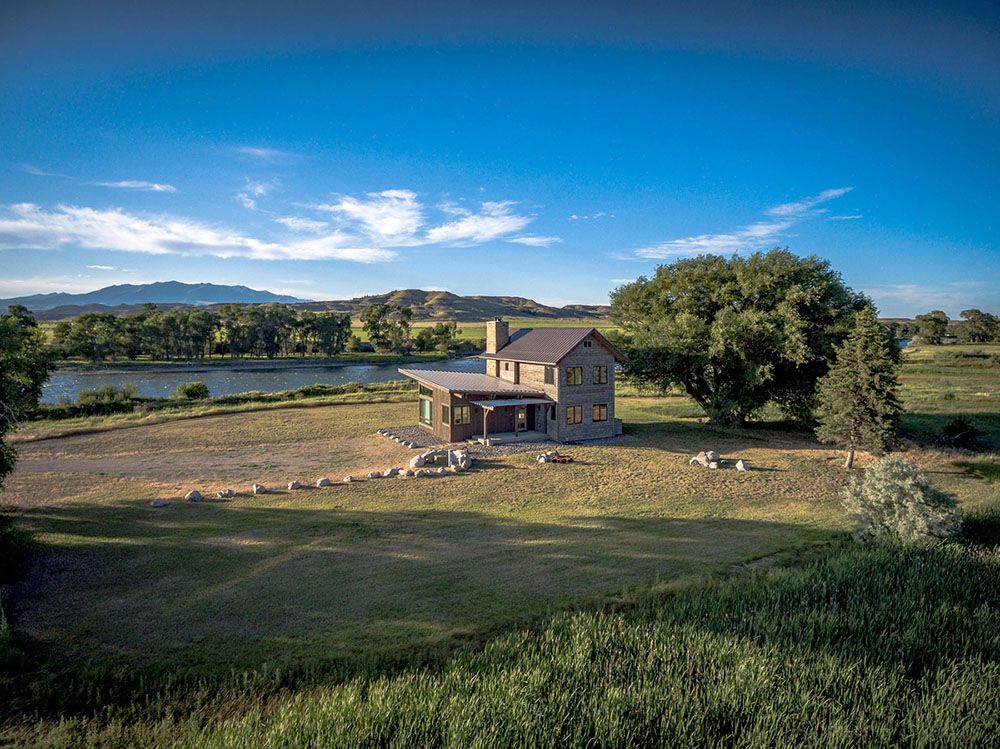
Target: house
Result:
[[554, 383]]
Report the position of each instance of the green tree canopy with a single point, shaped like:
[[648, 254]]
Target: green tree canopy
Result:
[[858, 407], [736, 333], [979, 326], [932, 327], [25, 364], [387, 325]]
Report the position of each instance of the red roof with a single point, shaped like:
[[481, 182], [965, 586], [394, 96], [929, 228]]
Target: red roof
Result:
[[549, 345]]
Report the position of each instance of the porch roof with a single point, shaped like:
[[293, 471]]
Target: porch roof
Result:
[[467, 382], [504, 402]]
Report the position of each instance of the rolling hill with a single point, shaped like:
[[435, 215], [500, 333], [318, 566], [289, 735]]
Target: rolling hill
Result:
[[162, 292]]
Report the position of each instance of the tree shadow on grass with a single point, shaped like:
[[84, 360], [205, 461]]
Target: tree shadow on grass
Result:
[[123, 593]]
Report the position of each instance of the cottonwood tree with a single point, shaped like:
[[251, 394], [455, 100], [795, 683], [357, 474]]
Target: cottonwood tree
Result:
[[932, 327], [979, 326], [387, 325], [25, 364], [736, 333], [857, 403]]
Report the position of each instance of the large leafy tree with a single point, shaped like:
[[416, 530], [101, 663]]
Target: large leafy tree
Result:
[[25, 364], [736, 333], [980, 327], [858, 406], [932, 327], [387, 325]]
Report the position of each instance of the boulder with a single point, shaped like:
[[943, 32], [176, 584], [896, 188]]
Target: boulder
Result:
[[225, 494], [293, 485], [741, 465], [324, 482], [348, 479], [713, 457], [714, 464], [440, 471], [701, 459], [374, 474], [193, 496], [159, 503], [417, 461], [258, 489], [390, 472], [421, 473]]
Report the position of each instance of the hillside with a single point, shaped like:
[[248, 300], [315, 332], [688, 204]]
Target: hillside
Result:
[[161, 292], [426, 305]]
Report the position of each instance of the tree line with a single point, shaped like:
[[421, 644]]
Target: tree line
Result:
[[241, 331]]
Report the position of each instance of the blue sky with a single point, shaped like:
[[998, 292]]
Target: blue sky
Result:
[[329, 150]]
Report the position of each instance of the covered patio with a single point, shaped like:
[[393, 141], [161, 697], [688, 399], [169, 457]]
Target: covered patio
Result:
[[528, 416]]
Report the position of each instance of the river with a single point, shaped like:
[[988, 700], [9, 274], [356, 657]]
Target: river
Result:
[[66, 383]]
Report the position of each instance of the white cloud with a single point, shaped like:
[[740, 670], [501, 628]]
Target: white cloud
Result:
[[262, 153], [252, 190], [27, 226], [851, 217], [34, 170], [299, 224], [758, 235], [534, 240], [102, 267], [390, 215], [495, 220], [908, 299], [591, 216], [138, 184]]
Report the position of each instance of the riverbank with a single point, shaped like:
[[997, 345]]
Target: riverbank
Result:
[[216, 363]]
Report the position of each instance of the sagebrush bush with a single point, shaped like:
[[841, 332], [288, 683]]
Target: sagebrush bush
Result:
[[192, 391], [893, 501]]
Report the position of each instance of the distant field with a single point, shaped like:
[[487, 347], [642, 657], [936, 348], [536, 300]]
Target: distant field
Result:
[[300, 590]]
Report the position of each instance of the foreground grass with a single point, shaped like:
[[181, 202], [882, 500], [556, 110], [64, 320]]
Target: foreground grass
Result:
[[860, 647]]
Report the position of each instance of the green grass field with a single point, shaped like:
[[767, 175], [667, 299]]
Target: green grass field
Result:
[[623, 599]]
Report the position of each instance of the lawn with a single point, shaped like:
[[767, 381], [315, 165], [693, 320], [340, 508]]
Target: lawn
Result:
[[224, 606]]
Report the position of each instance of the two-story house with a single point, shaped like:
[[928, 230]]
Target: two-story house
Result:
[[540, 383]]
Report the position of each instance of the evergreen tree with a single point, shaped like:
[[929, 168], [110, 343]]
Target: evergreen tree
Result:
[[857, 403]]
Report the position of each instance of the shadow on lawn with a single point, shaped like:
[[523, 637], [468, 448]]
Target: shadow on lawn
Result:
[[134, 594]]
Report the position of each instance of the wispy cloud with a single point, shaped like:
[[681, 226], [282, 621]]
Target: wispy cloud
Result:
[[254, 189], [264, 153], [37, 172], [494, 220], [102, 267], [387, 216], [850, 217], [28, 226], [303, 225], [534, 240], [591, 216], [138, 184], [758, 235]]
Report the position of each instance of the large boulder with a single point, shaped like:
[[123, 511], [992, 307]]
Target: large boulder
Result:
[[741, 465], [293, 485], [258, 489], [324, 482], [713, 457], [417, 461], [374, 474], [159, 503], [701, 459], [390, 472], [348, 479], [193, 496], [714, 464], [225, 494]]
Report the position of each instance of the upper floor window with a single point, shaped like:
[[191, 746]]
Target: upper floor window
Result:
[[445, 415], [574, 375], [550, 375], [587, 344], [574, 414], [463, 414], [424, 390], [600, 412], [600, 375]]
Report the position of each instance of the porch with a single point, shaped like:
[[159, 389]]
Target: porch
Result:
[[515, 419]]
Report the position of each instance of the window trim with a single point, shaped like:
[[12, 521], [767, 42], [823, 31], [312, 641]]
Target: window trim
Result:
[[593, 412], [578, 378], [461, 415], [578, 410], [601, 379]]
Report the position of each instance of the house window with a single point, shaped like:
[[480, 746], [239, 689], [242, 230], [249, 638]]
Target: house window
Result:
[[424, 390], [425, 411], [550, 375], [463, 414], [574, 414], [586, 344], [445, 415], [574, 375], [600, 375], [506, 366], [600, 412]]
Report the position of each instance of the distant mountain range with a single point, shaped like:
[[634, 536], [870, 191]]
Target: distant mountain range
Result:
[[162, 292], [426, 305]]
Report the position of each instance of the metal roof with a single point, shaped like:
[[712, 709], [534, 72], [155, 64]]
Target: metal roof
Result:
[[466, 382], [513, 402], [548, 345]]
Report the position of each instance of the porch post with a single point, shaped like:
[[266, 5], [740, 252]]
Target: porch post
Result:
[[486, 415]]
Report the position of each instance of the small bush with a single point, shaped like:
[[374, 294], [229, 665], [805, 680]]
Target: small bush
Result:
[[194, 391], [108, 394], [960, 434], [892, 501]]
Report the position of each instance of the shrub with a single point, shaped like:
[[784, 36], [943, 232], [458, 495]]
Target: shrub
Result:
[[959, 434], [108, 394], [892, 501], [194, 391]]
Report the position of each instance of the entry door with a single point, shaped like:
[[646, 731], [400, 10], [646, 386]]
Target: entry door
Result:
[[522, 419]]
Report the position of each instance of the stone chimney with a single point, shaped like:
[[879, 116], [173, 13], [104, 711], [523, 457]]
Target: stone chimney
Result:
[[497, 335]]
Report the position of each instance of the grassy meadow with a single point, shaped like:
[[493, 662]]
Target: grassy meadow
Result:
[[622, 599]]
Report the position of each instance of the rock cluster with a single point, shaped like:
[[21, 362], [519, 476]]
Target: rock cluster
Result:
[[398, 440], [459, 458], [548, 456], [710, 459]]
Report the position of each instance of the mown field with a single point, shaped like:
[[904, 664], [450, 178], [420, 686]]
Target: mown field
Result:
[[623, 599]]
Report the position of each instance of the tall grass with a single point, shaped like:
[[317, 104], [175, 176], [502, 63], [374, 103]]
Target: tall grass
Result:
[[861, 647]]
